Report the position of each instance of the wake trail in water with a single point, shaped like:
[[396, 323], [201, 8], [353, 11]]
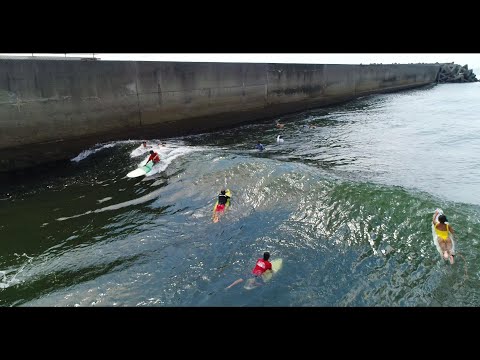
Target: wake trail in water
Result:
[[140, 200]]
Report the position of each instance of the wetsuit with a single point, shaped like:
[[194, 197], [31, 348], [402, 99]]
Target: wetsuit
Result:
[[222, 201]]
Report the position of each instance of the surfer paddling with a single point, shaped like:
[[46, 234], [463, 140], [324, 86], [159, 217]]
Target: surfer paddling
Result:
[[261, 266], [443, 232], [221, 204]]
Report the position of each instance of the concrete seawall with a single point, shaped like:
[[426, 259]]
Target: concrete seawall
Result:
[[52, 109]]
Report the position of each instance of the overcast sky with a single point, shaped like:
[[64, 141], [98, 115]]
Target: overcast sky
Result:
[[471, 59]]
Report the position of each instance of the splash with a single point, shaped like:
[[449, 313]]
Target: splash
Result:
[[141, 150], [86, 153], [167, 155], [98, 147], [6, 280]]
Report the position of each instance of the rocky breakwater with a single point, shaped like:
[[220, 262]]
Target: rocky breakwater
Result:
[[453, 73]]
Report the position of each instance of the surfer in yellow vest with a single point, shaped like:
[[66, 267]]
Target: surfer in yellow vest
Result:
[[260, 267], [154, 157], [443, 232]]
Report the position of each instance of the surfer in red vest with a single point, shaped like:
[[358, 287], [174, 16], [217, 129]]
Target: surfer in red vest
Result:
[[154, 157], [260, 267]]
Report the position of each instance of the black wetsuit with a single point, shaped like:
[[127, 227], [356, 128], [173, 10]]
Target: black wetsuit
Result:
[[222, 199]]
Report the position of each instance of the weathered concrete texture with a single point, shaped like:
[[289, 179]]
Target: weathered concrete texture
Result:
[[75, 104]]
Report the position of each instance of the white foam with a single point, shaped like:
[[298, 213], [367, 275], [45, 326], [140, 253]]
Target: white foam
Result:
[[86, 153], [6, 282], [141, 150], [167, 155]]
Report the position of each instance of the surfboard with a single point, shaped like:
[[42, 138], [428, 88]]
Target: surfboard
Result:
[[276, 266], [435, 238], [227, 205], [266, 276], [143, 170]]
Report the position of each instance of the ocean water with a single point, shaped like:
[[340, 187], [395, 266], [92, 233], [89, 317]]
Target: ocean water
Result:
[[347, 204]]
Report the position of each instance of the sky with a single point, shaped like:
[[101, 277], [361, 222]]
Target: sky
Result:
[[470, 59]]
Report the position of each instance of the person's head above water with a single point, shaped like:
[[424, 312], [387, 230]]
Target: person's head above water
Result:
[[442, 218], [151, 152], [266, 255]]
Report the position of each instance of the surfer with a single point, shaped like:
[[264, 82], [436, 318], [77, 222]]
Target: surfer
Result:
[[154, 157], [144, 143], [260, 146], [262, 265], [221, 204], [443, 232], [222, 201]]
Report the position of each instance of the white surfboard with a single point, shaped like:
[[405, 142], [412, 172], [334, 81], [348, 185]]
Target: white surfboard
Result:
[[141, 171], [435, 238], [266, 276]]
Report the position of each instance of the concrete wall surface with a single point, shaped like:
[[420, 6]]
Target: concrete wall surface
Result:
[[60, 107]]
